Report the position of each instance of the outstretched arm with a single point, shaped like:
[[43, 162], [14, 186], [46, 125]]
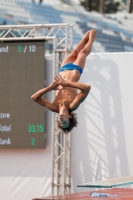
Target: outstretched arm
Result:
[[37, 97], [84, 88]]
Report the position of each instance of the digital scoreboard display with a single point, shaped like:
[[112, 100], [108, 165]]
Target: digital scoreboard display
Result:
[[22, 73]]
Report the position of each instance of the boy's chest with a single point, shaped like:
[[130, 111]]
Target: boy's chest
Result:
[[65, 96]]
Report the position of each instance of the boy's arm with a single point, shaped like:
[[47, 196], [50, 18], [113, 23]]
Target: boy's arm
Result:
[[37, 97], [79, 98], [84, 88]]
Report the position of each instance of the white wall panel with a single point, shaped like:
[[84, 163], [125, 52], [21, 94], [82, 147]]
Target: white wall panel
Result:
[[102, 144]]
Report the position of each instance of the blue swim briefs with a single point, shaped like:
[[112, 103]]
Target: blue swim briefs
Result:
[[70, 66]]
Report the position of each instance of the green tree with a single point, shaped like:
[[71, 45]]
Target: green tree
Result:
[[109, 6]]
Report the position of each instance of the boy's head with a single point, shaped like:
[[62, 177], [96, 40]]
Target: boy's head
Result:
[[67, 122]]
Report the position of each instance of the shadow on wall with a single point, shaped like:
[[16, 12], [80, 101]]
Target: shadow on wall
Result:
[[101, 152]]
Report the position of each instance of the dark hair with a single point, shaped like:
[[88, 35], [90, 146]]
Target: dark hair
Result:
[[72, 123]]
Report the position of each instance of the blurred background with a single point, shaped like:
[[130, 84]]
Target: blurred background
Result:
[[112, 19]]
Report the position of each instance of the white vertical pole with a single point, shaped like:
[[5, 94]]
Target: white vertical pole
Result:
[[61, 149], [66, 41], [72, 37], [69, 161], [64, 165], [58, 163], [53, 116]]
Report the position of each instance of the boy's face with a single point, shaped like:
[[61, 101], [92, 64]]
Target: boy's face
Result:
[[63, 120]]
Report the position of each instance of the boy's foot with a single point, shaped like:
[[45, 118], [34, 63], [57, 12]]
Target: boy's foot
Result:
[[87, 36], [93, 34]]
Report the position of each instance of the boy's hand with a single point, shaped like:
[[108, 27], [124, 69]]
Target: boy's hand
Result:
[[53, 86], [60, 81]]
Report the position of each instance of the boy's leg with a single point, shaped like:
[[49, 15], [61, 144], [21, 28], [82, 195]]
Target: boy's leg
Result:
[[73, 55], [81, 58]]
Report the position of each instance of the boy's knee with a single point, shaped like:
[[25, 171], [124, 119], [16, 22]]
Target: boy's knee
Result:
[[85, 51], [74, 52]]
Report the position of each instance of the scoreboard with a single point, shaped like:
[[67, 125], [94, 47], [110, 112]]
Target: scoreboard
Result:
[[22, 73]]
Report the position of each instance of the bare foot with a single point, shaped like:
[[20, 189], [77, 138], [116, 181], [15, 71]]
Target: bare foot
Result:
[[93, 34], [87, 35]]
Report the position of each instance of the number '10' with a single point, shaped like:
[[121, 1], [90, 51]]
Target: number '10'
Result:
[[32, 48]]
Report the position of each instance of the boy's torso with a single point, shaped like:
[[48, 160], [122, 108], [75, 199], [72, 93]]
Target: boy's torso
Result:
[[67, 94]]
